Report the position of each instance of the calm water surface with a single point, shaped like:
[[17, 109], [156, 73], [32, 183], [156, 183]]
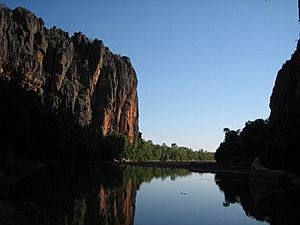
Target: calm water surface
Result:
[[106, 195], [194, 199]]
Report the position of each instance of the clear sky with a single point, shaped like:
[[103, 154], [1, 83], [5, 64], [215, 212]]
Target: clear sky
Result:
[[201, 65]]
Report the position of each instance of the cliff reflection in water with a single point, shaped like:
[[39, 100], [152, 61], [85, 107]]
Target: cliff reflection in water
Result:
[[106, 195], [117, 204], [81, 196], [261, 201]]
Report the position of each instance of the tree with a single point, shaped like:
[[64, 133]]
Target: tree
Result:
[[243, 145], [174, 145]]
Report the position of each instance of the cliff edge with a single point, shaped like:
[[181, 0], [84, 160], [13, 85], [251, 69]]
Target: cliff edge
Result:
[[284, 119], [274, 141], [71, 77]]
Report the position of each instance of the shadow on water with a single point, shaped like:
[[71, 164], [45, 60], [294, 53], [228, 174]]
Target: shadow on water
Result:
[[101, 195], [262, 202], [106, 195]]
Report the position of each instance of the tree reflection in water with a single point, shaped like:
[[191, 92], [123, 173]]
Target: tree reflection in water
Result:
[[80, 195], [106, 195], [276, 207]]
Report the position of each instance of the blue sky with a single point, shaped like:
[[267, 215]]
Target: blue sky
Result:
[[202, 65]]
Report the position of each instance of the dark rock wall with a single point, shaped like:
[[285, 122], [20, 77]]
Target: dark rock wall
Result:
[[285, 99], [73, 76], [284, 122], [275, 141]]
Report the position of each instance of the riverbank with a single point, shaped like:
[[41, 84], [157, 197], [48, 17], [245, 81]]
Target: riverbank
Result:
[[258, 175], [271, 181], [195, 166]]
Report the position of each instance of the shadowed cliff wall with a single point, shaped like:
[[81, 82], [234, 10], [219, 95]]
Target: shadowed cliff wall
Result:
[[71, 77]]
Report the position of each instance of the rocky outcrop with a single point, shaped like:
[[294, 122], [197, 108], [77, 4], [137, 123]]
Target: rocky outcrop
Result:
[[72, 76], [281, 149], [276, 140], [285, 99]]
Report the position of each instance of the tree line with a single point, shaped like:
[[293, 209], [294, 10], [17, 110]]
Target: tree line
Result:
[[146, 150], [242, 146]]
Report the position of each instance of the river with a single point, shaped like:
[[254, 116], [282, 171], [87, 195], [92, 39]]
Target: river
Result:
[[107, 195]]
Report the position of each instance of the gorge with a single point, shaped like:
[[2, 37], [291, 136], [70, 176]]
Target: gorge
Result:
[[60, 94], [70, 148]]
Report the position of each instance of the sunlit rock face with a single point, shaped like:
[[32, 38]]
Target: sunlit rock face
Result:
[[285, 117], [74, 75]]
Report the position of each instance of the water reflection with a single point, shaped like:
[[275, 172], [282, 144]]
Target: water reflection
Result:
[[106, 195], [102, 195], [264, 202]]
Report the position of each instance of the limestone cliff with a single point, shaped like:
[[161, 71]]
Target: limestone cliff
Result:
[[72, 76], [285, 99], [285, 116]]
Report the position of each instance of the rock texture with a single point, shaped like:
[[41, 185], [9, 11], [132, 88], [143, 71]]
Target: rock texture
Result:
[[72, 76]]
